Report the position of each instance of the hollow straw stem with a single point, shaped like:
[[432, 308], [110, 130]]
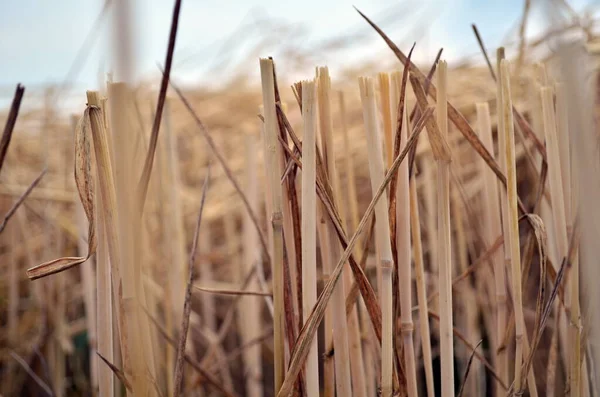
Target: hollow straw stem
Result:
[[104, 297], [387, 106], [444, 242], [492, 230], [415, 228], [503, 197], [579, 100], [340, 336], [357, 367], [109, 216], [559, 209], [309, 226], [272, 157], [325, 244], [173, 227], [382, 231], [505, 123], [362, 381], [252, 255], [513, 219]]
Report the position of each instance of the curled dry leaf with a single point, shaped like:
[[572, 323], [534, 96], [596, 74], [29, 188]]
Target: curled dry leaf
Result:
[[85, 188]]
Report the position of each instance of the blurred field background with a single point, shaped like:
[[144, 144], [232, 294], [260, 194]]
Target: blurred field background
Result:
[[50, 328]]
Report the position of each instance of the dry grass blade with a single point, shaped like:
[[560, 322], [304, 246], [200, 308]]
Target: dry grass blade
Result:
[[31, 373], [228, 172], [464, 381], [308, 331], [187, 306], [164, 84], [10, 122], [21, 199], [85, 187], [118, 372]]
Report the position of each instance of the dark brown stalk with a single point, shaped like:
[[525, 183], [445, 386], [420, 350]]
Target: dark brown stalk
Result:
[[162, 94], [293, 199], [10, 122], [187, 306], [291, 325]]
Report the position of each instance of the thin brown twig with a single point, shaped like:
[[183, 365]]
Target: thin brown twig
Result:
[[21, 199], [187, 306], [464, 381]]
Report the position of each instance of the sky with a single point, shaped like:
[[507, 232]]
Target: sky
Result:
[[40, 39]]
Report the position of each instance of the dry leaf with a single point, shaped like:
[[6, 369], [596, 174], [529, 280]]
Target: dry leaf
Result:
[[85, 187]]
